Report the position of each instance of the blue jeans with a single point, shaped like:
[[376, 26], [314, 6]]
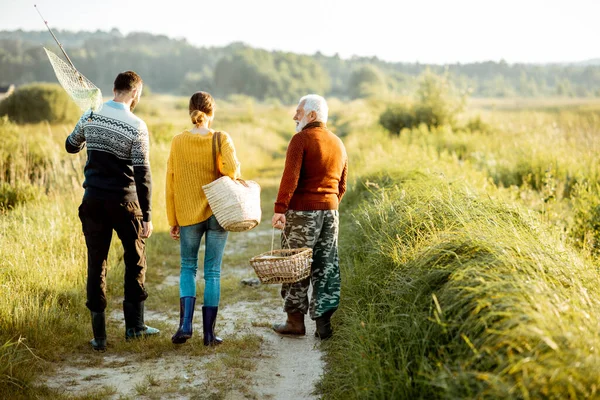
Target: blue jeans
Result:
[[190, 237]]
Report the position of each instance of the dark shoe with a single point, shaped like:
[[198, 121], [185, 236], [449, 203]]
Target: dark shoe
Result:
[[294, 325], [186, 316], [324, 330], [134, 321], [209, 318], [99, 328]]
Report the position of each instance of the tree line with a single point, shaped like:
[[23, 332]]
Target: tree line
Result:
[[175, 66]]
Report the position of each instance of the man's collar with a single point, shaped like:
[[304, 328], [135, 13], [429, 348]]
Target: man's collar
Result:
[[114, 104], [314, 124]]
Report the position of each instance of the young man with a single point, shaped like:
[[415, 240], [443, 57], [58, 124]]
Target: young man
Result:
[[117, 196], [312, 186]]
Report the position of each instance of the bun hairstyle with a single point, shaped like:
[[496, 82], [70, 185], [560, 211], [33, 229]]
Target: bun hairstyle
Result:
[[202, 106]]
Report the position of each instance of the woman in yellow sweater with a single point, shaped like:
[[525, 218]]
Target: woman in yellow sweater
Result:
[[191, 166]]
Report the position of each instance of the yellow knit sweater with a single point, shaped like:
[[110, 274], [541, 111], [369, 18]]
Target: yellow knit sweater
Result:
[[191, 166]]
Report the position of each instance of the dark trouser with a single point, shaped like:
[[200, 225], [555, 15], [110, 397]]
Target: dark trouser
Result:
[[317, 230], [99, 218]]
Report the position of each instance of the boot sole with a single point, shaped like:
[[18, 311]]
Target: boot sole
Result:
[[289, 333], [138, 337], [180, 339]]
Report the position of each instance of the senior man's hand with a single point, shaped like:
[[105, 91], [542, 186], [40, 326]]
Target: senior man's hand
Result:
[[278, 221]]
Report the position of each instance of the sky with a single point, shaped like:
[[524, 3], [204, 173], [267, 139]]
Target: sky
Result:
[[425, 31]]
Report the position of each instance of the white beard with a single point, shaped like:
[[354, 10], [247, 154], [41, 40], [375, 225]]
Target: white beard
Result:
[[301, 124]]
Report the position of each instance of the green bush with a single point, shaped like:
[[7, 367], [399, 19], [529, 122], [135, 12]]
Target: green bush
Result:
[[39, 102], [11, 196], [397, 117], [437, 103], [476, 124]]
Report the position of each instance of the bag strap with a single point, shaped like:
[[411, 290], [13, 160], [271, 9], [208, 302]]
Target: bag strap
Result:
[[216, 151]]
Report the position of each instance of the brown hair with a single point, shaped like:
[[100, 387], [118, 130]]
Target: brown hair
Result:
[[126, 81], [202, 106]]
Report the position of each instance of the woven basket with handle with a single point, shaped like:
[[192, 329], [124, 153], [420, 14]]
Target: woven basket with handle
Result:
[[283, 265], [235, 203]]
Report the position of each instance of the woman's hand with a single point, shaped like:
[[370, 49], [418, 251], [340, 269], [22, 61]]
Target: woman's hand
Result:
[[174, 232]]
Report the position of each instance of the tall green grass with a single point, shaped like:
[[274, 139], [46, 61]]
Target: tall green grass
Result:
[[457, 281], [448, 294]]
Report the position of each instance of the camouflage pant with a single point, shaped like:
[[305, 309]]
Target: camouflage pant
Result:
[[317, 230]]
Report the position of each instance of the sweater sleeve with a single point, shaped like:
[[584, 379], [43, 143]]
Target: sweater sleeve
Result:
[[140, 156], [170, 191], [229, 164], [291, 174], [76, 140], [342, 184]]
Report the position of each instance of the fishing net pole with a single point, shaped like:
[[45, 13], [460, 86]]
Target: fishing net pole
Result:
[[83, 92]]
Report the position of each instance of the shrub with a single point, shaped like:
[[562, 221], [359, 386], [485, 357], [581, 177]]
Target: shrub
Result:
[[11, 196], [39, 102], [397, 117], [476, 124], [437, 103]]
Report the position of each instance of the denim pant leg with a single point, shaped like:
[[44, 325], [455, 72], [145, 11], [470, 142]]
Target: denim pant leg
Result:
[[216, 238], [190, 237]]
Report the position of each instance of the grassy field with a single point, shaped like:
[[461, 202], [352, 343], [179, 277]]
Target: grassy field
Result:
[[43, 317], [469, 257], [469, 260]]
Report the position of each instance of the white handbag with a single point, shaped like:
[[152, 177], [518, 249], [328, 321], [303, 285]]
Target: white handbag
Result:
[[235, 203]]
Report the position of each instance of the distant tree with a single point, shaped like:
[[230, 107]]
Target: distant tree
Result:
[[269, 75], [174, 66], [438, 100], [367, 81]]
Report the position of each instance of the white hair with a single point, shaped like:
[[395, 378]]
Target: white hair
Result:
[[316, 103]]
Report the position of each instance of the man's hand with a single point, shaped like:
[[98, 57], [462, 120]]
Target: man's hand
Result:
[[278, 221], [174, 232], [147, 229]]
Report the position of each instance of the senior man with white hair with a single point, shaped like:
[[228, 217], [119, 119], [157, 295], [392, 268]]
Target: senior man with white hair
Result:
[[312, 186]]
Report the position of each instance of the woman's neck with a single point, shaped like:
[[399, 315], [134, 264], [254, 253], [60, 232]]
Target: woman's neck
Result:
[[201, 130]]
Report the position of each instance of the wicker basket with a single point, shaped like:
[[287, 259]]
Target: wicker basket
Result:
[[235, 204], [283, 266]]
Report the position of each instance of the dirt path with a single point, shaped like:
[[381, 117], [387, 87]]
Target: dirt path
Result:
[[254, 363]]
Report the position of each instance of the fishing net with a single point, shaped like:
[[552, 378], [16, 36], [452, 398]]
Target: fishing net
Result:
[[83, 92]]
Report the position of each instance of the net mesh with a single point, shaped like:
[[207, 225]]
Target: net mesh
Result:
[[85, 94]]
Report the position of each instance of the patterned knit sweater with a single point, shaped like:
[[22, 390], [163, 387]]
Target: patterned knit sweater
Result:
[[118, 161], [191, 166], [316, 167]]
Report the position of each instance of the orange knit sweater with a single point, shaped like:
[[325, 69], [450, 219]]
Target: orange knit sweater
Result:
[[191, 166], [316, 167]]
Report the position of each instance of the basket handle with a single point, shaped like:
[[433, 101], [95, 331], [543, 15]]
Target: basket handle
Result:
[[273, 240], [216, 152]]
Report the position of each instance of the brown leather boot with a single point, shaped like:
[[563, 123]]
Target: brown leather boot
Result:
[[294, 325]]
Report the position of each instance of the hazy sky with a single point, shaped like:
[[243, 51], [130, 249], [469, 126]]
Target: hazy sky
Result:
[[428, 31]]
